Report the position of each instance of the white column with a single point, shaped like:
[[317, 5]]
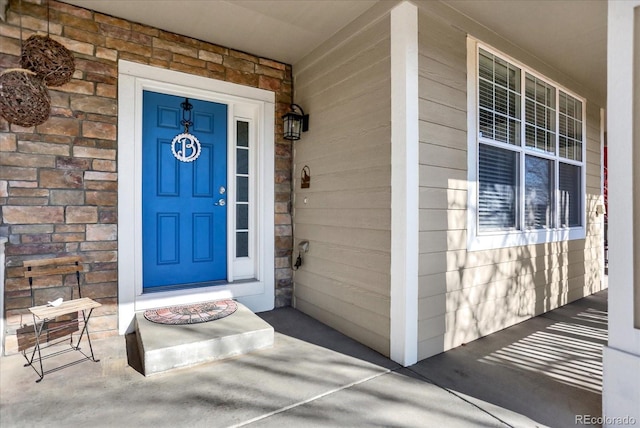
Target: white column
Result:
[[2, 261], [621, 389], [404, 184]]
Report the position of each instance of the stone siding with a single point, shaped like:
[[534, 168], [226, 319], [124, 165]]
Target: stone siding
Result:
[[58, 180]]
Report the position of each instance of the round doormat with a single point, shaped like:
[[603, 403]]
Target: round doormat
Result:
[[192, 314]]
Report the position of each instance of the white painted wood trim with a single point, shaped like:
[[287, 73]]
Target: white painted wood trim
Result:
[[3, 241], [244, 102], [620, 121], [231, 90], [621, 358], [404, 184], [126, 196], [603, 130]]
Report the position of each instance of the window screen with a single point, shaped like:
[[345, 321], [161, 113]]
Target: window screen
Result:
[[569, 193], [538, 190], [499, 98], [570, 127], [540, 114], [497, 188]]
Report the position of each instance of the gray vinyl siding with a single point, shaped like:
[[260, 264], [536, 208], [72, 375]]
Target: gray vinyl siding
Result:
[[345, 279], [465, 295]]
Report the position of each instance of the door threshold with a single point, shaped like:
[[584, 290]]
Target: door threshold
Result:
[[165, 288], [193, 285], [159, 297]]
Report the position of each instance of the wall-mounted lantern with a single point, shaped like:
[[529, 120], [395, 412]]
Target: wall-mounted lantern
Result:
[[295, 123]]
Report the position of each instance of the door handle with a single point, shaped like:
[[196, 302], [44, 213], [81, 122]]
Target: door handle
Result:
[[221, 202]]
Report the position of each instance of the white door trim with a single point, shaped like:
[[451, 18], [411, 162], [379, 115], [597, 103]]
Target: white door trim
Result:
[[245, 103]]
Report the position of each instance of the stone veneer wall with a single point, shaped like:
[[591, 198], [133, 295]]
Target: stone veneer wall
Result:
[[58, 180]]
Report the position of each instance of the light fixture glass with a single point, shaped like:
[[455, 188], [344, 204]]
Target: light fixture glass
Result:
[[295, 123]]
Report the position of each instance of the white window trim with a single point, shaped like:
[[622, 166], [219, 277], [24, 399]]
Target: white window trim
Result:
[[477, 240], [244, 103]]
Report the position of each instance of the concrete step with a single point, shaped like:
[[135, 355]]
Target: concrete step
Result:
[[166, 347]]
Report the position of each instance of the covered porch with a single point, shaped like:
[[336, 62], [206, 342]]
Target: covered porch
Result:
[[410, 286], [545, 371]]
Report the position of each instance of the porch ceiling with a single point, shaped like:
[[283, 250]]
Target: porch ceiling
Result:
[[569, 35], [283, 30]]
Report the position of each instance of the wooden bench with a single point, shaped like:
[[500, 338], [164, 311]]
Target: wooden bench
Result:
[[46, 318]]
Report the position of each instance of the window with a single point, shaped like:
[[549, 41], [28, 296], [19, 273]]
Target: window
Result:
[[242, 191], [526, 155]]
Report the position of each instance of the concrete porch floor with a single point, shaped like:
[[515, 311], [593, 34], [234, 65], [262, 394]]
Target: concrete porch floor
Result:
[[544, 371]]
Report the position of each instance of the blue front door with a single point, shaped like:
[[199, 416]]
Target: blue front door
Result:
[[184, 215]]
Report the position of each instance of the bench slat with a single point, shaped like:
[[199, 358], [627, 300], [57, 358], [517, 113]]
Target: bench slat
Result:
[[48, 312], [45, 271], [54, 261]]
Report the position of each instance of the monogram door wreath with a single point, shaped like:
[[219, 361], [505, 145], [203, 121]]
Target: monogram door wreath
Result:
[[186, 147]]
